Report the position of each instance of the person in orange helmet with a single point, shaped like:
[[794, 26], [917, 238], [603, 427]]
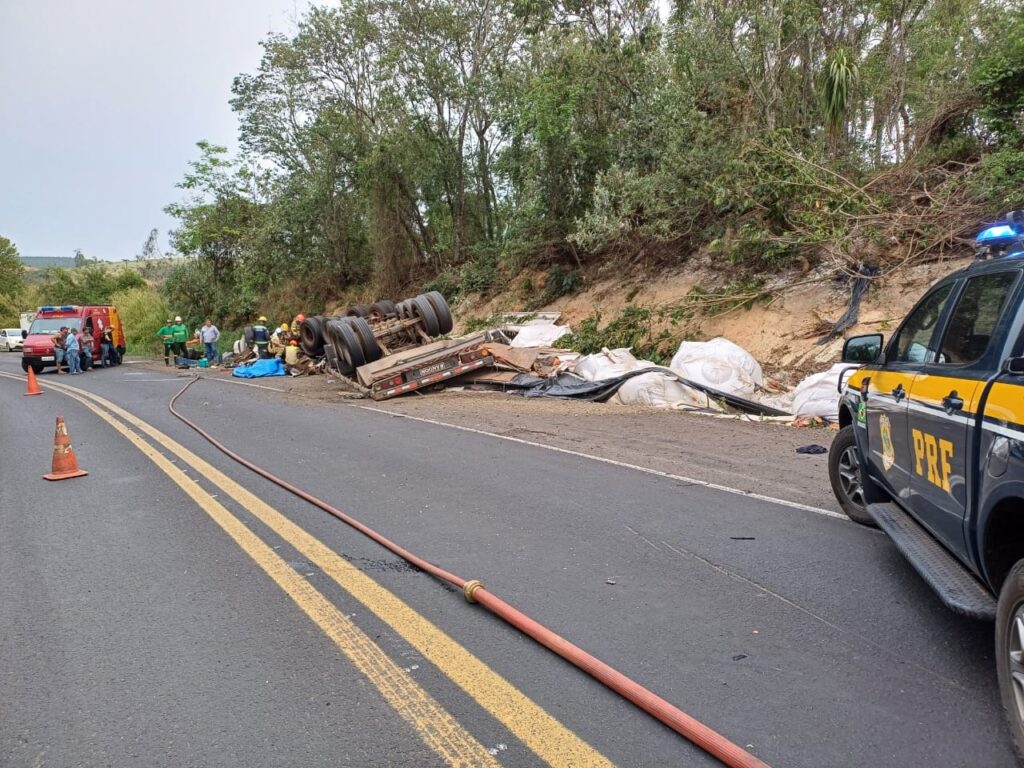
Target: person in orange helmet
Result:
[[296, 324]]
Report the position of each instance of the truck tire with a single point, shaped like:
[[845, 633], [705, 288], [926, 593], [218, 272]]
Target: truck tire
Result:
[[346, 344], [845, 476], [1010, 653], [442, 310], [311, 336], [425, 312], [359, 310], [384, 309], [405, 309], [371, 350]]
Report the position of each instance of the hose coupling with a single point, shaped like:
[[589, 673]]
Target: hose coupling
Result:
[[470, 588]]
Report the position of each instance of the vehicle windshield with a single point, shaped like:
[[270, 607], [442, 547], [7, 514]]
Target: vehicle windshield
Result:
[[12, 331], [54, 324]]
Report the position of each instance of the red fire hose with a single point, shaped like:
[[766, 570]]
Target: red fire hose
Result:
[[711, 742]]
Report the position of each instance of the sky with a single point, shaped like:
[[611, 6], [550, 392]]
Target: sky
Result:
[[101, 104]]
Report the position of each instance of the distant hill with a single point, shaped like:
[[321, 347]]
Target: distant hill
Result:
[[42, 262]]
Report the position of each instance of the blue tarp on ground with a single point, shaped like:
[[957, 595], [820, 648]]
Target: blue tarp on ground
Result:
[[272, 367]]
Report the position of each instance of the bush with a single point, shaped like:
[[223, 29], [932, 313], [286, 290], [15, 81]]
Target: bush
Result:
[[999, 179], [143, 312], [630, 329]]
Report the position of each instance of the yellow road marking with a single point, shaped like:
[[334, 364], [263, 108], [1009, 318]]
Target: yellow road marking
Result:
[[529, 722], [432, 723]]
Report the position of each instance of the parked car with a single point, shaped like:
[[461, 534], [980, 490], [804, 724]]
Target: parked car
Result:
[[11, 339], [931, 446]]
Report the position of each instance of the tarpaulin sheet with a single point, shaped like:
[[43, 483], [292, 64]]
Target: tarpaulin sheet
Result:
[[272, 367], [572, 387]]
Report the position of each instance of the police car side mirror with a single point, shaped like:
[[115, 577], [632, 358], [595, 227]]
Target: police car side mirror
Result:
[[863, 349], [1014, 366]]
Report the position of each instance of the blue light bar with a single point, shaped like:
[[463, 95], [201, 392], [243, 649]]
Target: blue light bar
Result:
[[47, 309], [67, 309], [1001, 234]]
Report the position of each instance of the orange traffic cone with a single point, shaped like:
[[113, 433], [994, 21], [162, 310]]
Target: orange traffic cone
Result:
[[65, 465], [33, 385]]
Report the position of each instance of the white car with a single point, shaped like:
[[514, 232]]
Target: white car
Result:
[[11, 340]]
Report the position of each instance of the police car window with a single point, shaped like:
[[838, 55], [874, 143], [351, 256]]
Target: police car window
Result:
[[974, 320], [913, 343]]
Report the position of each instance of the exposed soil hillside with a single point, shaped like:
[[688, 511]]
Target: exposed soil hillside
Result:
[[781, 329]]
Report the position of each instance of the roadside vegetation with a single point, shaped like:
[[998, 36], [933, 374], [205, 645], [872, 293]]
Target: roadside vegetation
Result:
[[390, 144]]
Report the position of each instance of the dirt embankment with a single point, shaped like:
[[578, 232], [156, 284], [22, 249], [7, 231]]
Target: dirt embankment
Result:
[[781, 329]]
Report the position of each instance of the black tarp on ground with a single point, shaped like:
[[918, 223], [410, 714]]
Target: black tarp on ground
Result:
[[568, 386]]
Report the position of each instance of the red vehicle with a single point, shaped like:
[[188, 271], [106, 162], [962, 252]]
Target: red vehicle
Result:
[[38, 351]]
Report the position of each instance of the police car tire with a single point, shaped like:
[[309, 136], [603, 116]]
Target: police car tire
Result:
[[441, 309], [843, 441], [1011, 600], [371, 350], [425, 312]]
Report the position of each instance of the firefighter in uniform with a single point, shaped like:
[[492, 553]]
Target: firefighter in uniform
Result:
[[261, 337]]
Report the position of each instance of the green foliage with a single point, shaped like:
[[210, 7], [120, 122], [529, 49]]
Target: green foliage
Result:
[[999, 179], [143, 311], [94, 283], [388, 142], [1000, 79], [631, 328], [12, 280]]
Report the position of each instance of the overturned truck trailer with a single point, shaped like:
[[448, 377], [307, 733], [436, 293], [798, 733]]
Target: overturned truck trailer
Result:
[[390, 348]]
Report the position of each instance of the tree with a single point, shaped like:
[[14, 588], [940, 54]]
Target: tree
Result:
[[12, 271]]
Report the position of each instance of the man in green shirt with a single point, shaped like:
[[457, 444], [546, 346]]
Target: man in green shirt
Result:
[[167, 336], [179, 335]]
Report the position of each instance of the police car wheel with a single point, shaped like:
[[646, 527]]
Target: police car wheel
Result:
[[1010, 653], [844, 474]]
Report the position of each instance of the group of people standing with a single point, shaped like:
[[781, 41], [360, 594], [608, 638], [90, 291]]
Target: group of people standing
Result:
[[74, 348], [175, 338]]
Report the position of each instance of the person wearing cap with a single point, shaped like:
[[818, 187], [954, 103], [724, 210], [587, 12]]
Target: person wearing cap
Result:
[[261, 337], [297, 324], [179, 335], [167, 336]]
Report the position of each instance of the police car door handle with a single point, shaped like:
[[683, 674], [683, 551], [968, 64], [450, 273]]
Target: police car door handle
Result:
[[899, 393], [952, 402]]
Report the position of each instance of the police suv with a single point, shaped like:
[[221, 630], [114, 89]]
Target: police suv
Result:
[[931, 445]]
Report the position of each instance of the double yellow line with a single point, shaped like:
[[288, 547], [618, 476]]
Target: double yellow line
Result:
[[531, 724]]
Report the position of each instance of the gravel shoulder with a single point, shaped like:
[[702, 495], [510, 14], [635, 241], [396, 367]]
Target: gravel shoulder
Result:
[[751, 456]]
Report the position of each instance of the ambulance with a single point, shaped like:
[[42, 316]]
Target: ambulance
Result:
[[38, 352]]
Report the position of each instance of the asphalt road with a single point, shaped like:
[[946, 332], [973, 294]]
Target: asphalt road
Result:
[[138, 627]]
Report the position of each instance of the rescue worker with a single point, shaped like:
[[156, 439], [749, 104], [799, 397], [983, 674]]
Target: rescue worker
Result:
[[167, 336], [179, 335], [291, 354], [297, 324], [261, 337], [279, 341]]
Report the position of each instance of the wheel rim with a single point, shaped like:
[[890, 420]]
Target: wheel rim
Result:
[[1015, 651], [849, 478]]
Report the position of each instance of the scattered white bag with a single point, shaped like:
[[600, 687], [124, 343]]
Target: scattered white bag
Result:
[[658, 390], [720, 364], [818, 394], [539, 335], [609, 364]]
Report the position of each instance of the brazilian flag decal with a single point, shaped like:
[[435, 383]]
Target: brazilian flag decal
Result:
[[888, 452]]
